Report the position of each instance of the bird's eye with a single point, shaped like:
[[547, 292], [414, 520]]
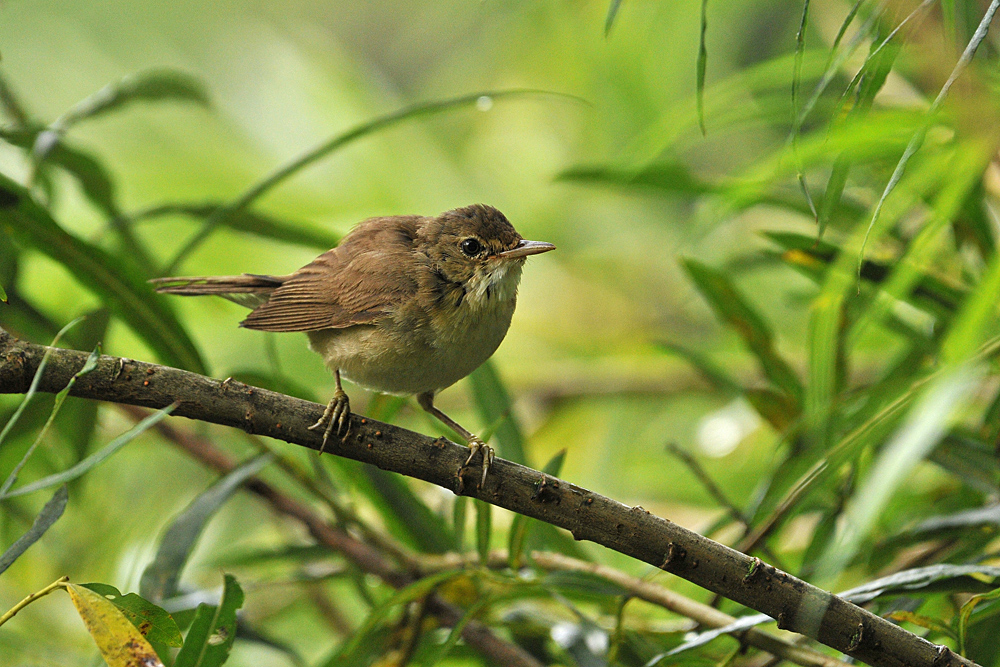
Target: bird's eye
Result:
[[471, 247]]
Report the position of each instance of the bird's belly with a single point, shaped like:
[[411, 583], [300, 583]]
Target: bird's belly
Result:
[[418, 357]]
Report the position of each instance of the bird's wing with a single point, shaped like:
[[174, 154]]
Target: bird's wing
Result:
[[360, 280]]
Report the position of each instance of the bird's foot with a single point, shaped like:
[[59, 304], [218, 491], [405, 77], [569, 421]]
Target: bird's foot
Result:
[[336, 418], [475, 446]]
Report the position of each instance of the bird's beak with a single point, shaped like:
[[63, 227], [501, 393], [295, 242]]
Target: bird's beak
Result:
[[525, 248]]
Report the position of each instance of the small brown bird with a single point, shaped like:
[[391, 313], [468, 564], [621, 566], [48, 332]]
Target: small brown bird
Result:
[[404, 305]]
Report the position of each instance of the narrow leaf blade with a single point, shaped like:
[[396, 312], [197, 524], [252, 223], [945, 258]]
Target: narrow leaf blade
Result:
[[159, 580], [49, 515], [213, 631], [94, 459]]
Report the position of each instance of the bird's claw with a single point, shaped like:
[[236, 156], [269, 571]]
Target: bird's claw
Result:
[[475, 446], [336, 415]]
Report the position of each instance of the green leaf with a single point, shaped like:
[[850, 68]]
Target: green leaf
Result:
[[79, 419], [922, 621], [155, 624], [709, 370], [484, 530], [459, 510], [813, 257], [422, 526], [966, 611], [213, 631], [495, 407], [33, 387], [975, 318], [159, 580], [583, 585], [834, 190], [88, 366], [94, 179], [970, 460], [779, 410], [150, 86], [49, 515], [250, 222], [3, 294], [964, 169], [702, 67], [733, 308], [609, 21], [419, 589], [120, 643], [940, 578], [668, 177], [94, 459], [925, 425], [918, 137], [456, 631], [119, 282], [277, 177]]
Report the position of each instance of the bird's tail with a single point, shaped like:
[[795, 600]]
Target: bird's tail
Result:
[[250, 290]]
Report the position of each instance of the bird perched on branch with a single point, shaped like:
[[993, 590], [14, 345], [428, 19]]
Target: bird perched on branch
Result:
[[404, 305]]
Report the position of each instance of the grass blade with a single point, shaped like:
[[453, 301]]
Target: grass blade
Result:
[[33, 387], [494, 407], [49, 515], [88, 366], [409, 515], [326, 148], [417, 590], [121, 284], [733, 308], [966, 612], [918, 139], [159, 580], [150, 86], [94, 459], [249, 222], [609, 21], [702, 67], [484, 530], [926, 424]]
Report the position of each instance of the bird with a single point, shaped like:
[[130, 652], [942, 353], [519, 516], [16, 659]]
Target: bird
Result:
[[404, 305]]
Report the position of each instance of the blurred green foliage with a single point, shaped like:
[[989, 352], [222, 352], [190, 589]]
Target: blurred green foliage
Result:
[[772, 316]]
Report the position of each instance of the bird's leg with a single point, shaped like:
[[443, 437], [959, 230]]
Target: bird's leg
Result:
[[337, 413], [426, 401]]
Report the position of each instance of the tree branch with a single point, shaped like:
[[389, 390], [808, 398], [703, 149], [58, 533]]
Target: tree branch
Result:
[[795, 604], [366, 557]]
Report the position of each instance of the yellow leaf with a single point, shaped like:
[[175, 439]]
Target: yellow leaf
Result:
[[121, 644]]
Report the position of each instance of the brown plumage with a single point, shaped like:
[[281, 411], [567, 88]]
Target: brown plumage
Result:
[[405, 304]]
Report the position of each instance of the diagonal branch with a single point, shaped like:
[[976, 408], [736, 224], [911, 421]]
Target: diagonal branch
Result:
[[795, 604], [366, 557]]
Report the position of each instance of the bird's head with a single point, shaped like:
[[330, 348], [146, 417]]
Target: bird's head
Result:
[[477, 248]]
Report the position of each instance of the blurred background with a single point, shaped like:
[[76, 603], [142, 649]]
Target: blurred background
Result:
[[617, 334]]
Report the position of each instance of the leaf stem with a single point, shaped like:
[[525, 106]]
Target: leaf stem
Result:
[[58, 583]]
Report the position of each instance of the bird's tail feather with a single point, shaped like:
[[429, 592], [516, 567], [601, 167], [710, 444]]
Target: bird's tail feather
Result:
[[250, 290]]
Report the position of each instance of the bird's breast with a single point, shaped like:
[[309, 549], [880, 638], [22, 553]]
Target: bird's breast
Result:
[[422, 345]]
